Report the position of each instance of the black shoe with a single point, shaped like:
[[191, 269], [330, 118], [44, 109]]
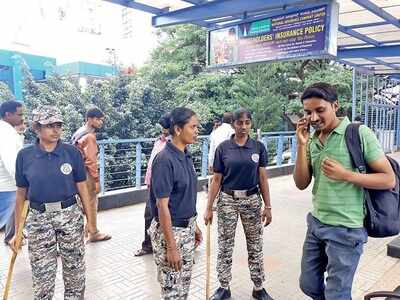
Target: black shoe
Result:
[[221, 294], [261, 295], [141, 252]]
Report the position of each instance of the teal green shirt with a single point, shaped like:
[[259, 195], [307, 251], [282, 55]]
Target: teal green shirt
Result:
[[338, 202]]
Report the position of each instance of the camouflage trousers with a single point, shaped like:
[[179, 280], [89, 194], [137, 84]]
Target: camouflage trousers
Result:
[[249, 210], [44, 232], [174, 285]]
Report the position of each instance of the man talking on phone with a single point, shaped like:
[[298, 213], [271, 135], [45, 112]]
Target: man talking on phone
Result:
[[335, 235]]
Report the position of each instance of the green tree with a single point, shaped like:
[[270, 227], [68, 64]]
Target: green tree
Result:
[[181, 50], [208, 94], [5, 92], [263, 89], [340, 77]]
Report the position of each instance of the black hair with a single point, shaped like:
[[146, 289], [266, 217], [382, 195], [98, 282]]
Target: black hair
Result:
[[165, 121], [217, 120], [227, 118], [240, 113], [9, 107], [320, 90], [94, 112], [358, 118], [179, 117]]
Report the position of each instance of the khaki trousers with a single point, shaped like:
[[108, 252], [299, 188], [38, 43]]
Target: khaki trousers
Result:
[[93, 200]]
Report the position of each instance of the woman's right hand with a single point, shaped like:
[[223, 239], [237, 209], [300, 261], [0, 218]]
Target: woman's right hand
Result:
[[303, 131], [208, 216], [174, 258], [13, 244]]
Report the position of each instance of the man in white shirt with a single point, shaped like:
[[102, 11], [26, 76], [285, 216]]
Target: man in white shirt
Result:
[[222, 133], [11, 114]]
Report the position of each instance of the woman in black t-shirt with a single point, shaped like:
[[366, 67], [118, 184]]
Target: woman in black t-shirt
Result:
[[173, 192], [239, 179], [50, 174]]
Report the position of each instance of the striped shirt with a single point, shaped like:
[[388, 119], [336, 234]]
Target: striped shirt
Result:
[[339, 202]]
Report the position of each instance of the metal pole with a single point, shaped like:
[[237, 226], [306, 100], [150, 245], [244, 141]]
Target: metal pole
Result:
[[398, 124], [354, 97], [366, 103], [293, 150], [138, 165], [204, 158], [102, 169], [279, 151]]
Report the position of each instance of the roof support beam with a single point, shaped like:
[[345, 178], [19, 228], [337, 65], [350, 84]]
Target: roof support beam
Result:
[[194, 2], [139, 6], [358, 35], [355, 26], [372, 64], [381, 62], [367, 53], [150, 9], [367, 4], [221, 8], [385, 43], [366, 70]]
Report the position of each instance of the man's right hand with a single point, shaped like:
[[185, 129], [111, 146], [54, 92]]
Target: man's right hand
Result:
[[208, 216], [210, 169], [97, 187], [174, 258], [303, 131]]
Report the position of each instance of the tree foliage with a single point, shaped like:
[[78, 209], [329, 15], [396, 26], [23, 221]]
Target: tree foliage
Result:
[[5, 93]]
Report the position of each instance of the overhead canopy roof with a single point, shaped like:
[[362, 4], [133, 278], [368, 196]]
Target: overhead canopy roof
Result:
[[369, 30]]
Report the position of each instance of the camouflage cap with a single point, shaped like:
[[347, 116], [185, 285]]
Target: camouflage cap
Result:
[[47, 115]]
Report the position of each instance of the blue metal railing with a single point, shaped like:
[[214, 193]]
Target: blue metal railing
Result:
[[123, 163]]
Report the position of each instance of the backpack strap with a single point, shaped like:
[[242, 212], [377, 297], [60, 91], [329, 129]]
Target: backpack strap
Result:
[[76, 137], [353, 143]]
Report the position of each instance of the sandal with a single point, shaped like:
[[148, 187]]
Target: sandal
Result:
[[141, 252], [98, 237]]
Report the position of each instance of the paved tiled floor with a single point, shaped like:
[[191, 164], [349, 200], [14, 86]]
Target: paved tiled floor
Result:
[[114, 273]]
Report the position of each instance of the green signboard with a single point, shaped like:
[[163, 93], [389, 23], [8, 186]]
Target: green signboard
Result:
[[260, 27]]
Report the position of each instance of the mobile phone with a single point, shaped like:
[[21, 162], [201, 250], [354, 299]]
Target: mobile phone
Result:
[[307, 122]]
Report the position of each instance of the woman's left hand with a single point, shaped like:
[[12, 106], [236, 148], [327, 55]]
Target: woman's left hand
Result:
[[198, 236], [267, 216]]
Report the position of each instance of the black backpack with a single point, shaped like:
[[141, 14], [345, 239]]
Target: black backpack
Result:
[[382, 206]]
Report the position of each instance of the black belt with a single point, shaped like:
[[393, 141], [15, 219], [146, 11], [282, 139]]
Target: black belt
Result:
[[177, 223], [53, 206], [249, 192]]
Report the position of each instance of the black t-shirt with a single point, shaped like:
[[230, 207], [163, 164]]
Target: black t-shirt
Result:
[[174, 177], [239, 164], [50, 176]]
